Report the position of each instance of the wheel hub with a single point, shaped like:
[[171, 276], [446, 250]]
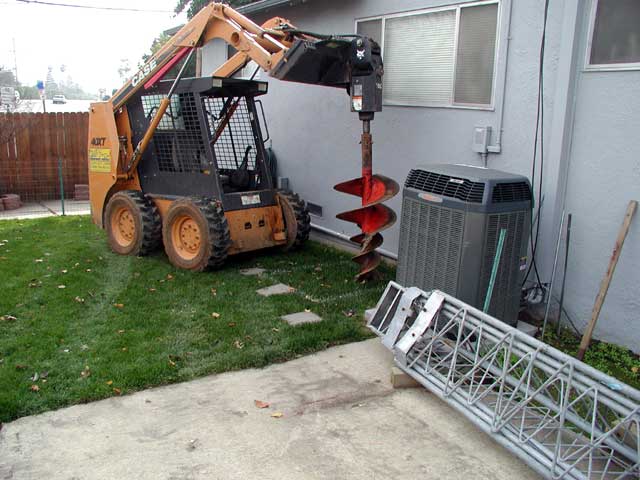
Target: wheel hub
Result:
[[186, 237], [123, 226]]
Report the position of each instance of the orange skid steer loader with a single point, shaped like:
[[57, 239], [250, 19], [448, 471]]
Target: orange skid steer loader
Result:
[[182, 162]]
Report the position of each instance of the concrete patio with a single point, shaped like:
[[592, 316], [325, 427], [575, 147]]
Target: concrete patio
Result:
[[340, 419], [46, 208]]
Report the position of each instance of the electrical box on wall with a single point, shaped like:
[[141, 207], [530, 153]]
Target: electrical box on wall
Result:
[[481, 139]]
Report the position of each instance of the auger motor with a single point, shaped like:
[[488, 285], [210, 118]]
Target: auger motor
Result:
[[372, 217]]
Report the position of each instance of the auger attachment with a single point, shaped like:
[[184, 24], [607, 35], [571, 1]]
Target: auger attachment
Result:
[[372, 217]]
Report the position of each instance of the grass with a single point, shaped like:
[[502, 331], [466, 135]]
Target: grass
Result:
[[614, 360], [92, 324]]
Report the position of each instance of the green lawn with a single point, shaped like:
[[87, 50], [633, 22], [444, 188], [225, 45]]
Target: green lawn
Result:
[[91, 324]]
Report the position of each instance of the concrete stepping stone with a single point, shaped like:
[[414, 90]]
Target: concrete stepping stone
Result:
[[301, 317], [527, 328], [277, 289], [251, 272]]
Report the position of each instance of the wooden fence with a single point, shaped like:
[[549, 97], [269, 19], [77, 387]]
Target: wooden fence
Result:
[[38, 150]]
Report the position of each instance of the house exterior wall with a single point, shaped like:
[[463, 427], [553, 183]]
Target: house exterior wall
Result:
[[315, 138], [604, 174]]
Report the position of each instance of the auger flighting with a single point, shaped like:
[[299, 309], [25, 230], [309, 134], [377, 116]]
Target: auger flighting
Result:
[[372, 217]]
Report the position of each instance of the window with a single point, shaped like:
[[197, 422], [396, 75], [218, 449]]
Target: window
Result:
[[438, 57], [615, 34]]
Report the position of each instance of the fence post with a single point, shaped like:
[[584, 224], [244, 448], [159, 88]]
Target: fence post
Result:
[[61, 184]]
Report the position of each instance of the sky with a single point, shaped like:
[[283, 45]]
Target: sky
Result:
[[88, 44]]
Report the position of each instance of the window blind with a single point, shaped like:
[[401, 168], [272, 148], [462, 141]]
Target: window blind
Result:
[[476, 54], [419, 58]]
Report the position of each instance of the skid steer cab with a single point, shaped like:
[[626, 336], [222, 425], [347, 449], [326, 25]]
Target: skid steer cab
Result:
[[203, 187]]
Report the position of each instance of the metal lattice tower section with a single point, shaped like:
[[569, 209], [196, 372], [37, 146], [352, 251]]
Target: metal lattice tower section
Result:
[[561, 416]]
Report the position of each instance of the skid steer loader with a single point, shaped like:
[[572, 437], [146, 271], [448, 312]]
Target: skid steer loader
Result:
[[182, 162]]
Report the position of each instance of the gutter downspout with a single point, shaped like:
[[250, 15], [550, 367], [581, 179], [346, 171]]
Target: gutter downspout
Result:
[[497, 146]]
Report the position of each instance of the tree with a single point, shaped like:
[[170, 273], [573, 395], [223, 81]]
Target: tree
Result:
[[28, 92], [7, 79], [50, 85], [156, 45], [194, 6], [124, 69]]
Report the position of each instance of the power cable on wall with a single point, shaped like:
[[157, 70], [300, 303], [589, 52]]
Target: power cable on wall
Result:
[[92, 7], [539, 136]]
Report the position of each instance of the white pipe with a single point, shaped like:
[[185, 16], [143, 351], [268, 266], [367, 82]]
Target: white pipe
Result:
[[342, 236], [497, 147]]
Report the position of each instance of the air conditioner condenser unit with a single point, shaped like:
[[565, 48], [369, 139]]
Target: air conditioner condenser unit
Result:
[[450, 223]]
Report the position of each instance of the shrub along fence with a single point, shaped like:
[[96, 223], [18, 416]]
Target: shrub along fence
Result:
[[43, 160]]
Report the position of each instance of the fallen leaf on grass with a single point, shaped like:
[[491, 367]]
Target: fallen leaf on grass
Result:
[[231, 324], [118, 305], [62, 286], [79, 299], [117, 391], [215, 315], [20, 367], [34, 388], [172, 363], [214, 292], [121, 331], [260, 404], [7, 318], [109, 382], [124, 349], [63, 271], [88, 270], [38, 260], [277, 414], [238, 344], [635, 369], [34, 283], [274, 329], [152, 289], [35, 377], [169, 276]]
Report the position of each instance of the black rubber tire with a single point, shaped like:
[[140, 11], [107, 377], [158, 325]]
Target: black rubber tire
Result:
[[146, 219], [212, 224], [296, 218]]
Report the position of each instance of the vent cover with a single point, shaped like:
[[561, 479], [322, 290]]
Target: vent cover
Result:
[[445, 185], [511, 192]]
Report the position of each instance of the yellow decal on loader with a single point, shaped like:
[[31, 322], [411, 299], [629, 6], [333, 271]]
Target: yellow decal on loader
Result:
[[100, 160]]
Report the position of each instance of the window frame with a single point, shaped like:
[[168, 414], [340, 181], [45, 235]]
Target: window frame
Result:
[[602, 67], [455, 6]]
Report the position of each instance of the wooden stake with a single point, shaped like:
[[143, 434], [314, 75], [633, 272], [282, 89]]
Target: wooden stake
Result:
[[604, 286]]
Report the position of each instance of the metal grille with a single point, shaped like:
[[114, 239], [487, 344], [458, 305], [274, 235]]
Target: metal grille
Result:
[[445, 185], [431, 246], [505, 299], [178, 141], [563, 417], [231, 131], [511, 192]]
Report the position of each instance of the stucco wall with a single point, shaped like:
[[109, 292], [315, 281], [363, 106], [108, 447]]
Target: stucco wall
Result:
[[604, 174], [315, 137]]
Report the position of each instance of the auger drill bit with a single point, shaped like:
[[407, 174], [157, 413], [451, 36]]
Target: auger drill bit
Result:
[[372, 217]]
